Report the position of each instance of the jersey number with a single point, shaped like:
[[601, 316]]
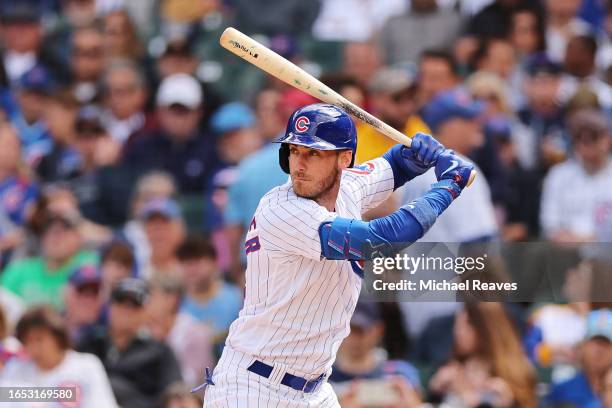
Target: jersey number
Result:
[[252, 245]]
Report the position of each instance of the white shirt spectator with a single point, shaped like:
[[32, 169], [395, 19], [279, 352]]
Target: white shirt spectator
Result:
[[192, 342], [80, 370], [571, 198], [366, 17], [556, 40], [12, 305], [570, 84]]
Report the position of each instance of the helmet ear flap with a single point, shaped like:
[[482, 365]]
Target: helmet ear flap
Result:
[[283, 157]]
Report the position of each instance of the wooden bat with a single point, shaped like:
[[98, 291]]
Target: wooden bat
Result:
[[267, 60]]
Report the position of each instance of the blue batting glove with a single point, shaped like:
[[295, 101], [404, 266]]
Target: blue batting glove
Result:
[[452, 172], [418, 158], [423, 152]]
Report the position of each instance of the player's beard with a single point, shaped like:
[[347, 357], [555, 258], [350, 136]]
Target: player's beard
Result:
[[320, 189]]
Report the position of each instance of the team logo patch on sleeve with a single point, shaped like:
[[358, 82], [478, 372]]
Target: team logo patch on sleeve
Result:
[[301, 124], [365, 168]]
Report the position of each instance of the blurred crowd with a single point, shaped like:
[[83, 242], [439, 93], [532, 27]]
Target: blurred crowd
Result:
[[134, 151]]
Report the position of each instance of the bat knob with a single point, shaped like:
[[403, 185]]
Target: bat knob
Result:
[[472, 177]]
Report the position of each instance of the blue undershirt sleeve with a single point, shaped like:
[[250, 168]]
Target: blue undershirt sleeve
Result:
[[353, 239]]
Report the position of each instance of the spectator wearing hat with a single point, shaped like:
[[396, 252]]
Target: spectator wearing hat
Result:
[[234, 126], [177, 55], [541, 141], [575, 190], [51, 361], [150, 186], [452, 116], [595, 359], [360, 360], [22, 33], [139, 367], [178, 146], [17, 195], [392, 99], [84, 301], [63, 161], [31, 94], [96, 151], [41, 279], [164, 230]]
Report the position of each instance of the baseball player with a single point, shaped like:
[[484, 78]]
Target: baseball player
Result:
[[304, 248]]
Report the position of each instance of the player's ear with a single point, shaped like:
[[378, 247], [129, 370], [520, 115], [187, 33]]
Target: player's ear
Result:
[[345, 158]]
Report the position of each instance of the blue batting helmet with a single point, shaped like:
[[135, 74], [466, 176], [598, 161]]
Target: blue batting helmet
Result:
[[319, 126]]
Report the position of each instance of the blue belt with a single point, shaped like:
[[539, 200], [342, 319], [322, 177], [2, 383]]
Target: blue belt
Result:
[[290, 380]]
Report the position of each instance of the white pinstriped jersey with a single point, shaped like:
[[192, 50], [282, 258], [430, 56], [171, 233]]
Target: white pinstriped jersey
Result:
[[298, 306]]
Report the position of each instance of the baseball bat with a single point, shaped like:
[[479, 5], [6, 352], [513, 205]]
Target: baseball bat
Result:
[[267, 60]]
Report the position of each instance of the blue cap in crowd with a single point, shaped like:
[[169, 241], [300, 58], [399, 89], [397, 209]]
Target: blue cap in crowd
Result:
[[85, 275], [232, 116], [447, 105], [133, 290], [36, 79], [165, 207], [599, 324], [499, 126], [366, 315], [19, 11], [540, 63]]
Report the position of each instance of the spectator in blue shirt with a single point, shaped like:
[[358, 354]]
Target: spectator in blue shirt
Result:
[[26, 114], [17, 194]]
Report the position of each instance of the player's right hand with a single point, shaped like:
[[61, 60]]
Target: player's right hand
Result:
[[452, 168]]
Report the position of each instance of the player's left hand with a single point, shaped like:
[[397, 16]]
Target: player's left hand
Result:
[[422, 154], [415, 160], [424, 151]]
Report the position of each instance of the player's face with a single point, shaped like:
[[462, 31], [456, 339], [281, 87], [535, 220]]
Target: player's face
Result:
[[315, 172]]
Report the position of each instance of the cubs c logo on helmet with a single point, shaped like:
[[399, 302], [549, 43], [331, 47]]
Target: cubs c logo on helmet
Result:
[[301, 124]]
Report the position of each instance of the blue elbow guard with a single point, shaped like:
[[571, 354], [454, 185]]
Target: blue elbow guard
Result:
[[351, 239]]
